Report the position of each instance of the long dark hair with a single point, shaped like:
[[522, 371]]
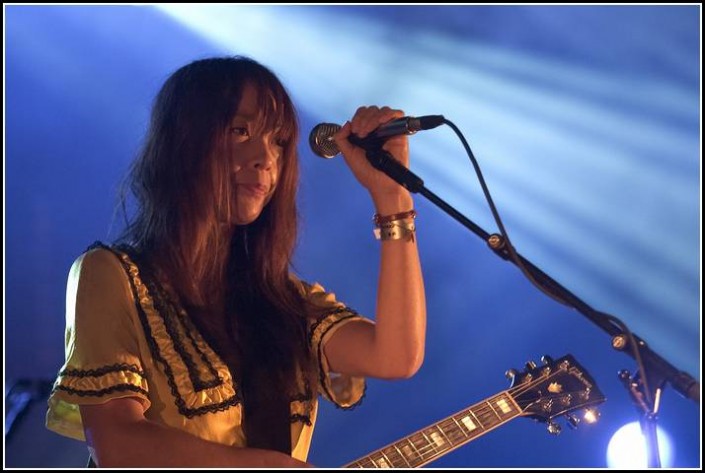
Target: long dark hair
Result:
[[236, 284]]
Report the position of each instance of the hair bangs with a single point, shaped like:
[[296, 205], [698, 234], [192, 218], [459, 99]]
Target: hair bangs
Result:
[[276, 111]]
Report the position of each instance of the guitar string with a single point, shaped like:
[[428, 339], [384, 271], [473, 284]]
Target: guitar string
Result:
[[430, 447], [481, 412], [482, 409]]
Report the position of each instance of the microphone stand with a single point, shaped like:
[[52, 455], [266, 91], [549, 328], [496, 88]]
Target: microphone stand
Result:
[[644, 388]]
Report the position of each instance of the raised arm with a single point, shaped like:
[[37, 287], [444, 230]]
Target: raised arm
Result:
[[392, 347]]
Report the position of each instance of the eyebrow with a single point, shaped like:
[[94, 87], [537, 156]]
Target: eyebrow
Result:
[[246, 116], [256, 119]]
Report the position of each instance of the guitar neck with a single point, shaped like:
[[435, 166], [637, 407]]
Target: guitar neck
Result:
[[436, 440]]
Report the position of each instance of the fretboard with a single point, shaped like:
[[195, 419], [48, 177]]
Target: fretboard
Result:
[[436, 440]]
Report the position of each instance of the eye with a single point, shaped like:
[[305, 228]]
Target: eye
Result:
[[239, 133], [281, 142]]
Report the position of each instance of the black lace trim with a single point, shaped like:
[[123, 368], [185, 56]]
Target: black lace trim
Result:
[[307, 399], [358, 403], [102, 392], [167, 309], [101, 371], [322, 318], [321, 371], [216, 378], [180, 403], [300, 418]]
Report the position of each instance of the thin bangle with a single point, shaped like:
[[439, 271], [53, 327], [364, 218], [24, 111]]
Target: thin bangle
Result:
[[380, 219]]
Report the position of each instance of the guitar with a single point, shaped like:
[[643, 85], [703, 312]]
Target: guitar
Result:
[[543, 393]]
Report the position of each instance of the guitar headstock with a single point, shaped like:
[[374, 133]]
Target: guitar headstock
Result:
[[558, 387]]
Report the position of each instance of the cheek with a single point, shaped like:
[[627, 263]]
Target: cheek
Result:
[[275, 173]]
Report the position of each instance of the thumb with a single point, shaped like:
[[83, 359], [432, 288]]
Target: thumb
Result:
[[341, 139]]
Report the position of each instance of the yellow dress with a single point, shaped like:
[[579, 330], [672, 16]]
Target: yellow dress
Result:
[[125, 338]]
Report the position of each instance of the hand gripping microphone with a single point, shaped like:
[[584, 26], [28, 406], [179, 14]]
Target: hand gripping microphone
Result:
[[321, 137]]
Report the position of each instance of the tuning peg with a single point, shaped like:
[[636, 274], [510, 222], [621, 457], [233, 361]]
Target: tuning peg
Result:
[[566, 399], [546, 360], [510, 374], [553, 428], [585, 394], [530, 365], [573, 421]]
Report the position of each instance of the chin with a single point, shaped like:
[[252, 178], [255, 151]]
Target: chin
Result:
[[245, 219]]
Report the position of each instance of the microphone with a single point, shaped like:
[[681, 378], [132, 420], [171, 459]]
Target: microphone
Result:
[[321, 137]]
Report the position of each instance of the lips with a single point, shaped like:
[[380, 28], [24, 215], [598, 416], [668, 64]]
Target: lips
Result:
[[255, 189]]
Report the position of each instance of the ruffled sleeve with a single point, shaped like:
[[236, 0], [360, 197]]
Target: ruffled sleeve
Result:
[[343, 390], [103, 359]]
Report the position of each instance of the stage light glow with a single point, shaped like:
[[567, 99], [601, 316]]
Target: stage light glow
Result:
[[627, 448]]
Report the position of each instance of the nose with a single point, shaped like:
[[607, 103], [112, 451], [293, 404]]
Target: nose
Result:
[[264, 154]]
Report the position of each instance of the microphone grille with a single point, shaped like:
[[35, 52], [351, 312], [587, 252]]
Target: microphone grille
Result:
[[321, 140]]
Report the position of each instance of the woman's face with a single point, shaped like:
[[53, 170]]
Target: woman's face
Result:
[[255, 156]]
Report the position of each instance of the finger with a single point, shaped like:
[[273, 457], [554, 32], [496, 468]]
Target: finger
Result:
[[387, 114], [364, 120], [377, 117]]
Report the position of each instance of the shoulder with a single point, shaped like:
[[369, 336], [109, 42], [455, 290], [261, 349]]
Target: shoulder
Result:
[[99, 267], [96, 259], [314, 292]]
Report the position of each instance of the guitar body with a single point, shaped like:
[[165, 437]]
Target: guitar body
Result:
[[543, 393]]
